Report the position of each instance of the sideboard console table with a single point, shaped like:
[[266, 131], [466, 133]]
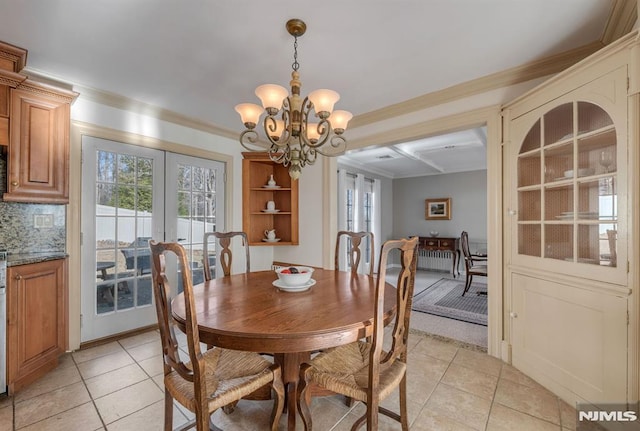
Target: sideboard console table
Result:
[[431, 246]]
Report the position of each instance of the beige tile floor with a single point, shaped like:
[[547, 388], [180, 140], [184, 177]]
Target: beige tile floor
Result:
[[118, 387]]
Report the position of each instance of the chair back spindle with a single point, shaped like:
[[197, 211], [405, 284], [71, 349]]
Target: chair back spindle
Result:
[[225, 257], [355, 241]]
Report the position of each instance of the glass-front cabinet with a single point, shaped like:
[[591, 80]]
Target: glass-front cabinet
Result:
[[571, 229], [567, 186]]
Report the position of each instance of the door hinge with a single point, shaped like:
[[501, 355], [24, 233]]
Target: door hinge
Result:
[[628, 319], [81, 239], [81, 320]]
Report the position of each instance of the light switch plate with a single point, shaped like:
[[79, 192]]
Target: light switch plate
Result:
[[42, 221]]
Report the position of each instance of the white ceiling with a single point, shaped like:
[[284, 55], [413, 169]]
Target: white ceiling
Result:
[[453, 152], [200, 58]]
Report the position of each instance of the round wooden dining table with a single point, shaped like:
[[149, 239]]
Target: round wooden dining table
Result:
[[247, 312]]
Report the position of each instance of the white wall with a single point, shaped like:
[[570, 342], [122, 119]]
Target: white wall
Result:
[[468, 193]]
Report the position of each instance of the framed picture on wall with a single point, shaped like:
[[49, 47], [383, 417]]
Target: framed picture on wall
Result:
[[437, 209]]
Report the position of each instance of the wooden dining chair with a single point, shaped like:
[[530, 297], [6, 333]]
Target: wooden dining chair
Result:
[[362, 370], [212, 379], [226, 257], [354, 241], [473, 264]]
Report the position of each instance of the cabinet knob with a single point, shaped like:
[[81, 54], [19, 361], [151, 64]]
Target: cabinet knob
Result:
[[513, 314], [14, 183], [18, 277]]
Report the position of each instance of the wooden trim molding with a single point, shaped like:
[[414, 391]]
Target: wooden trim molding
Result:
[[11, 79], [621, 20], [49, 91], [142, 108], [12, 58], [526, 72]]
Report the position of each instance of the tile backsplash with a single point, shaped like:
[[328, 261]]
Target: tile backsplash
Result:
[[18, 231]]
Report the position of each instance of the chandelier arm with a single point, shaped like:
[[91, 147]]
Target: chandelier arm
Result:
[[279, 155], [337, 141], [310, 156], [325, 130], [270, 126], [248, 137]]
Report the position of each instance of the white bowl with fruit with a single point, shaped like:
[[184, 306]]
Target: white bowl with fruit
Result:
[[294, 278]]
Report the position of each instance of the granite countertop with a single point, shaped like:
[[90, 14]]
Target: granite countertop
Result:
[[15, 259]]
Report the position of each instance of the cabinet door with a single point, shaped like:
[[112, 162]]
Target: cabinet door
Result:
[[38, 148], [569, 189], [37, 324]]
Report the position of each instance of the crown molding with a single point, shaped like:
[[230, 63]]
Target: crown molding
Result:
[[621, 20], [526, 72], [448, 124], [142, 108]]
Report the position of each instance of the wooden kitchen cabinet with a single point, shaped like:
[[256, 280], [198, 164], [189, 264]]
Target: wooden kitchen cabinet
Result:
[[257, 169], [36, 320], [38, 153], [34, 131]]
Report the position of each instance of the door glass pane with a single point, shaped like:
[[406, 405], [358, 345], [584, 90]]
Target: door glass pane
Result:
[[196, 197], [122, 231]]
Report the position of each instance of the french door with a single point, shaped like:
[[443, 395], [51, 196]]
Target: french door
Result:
[[132, 194]]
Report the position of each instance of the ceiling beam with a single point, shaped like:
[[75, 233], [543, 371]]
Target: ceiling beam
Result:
[[415, 157]]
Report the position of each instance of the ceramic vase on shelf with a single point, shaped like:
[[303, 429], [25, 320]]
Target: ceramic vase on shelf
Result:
[[271, 181]]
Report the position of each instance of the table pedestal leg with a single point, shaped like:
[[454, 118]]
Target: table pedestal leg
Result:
[[290, 363]]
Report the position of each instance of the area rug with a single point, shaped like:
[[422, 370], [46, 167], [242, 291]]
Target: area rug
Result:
[[444, 298]]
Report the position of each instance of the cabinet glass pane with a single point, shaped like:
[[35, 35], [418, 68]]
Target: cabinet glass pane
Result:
[[558, 202], [529, 170], [597, 153], [558, 124], [558, 162], [529, 239], [558, 242], [597, 244], [597, 199], [591, 117], [529, 205], [532, 140]]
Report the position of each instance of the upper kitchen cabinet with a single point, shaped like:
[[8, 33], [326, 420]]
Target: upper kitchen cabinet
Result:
[[12, 60], [34, 127], [265, 181]]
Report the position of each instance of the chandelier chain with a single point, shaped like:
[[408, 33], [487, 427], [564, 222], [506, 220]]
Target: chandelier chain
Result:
[[295, 64]]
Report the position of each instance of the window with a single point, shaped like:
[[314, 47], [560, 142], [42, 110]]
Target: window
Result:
[[358, 210]]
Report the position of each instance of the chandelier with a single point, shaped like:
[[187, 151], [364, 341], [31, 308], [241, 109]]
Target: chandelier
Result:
[[296, 129]]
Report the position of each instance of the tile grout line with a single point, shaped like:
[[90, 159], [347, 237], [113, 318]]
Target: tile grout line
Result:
[[93, 402]]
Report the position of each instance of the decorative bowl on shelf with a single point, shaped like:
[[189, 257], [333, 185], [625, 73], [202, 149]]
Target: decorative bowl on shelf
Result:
[[582, 172], [434, 233], [294, 275]]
